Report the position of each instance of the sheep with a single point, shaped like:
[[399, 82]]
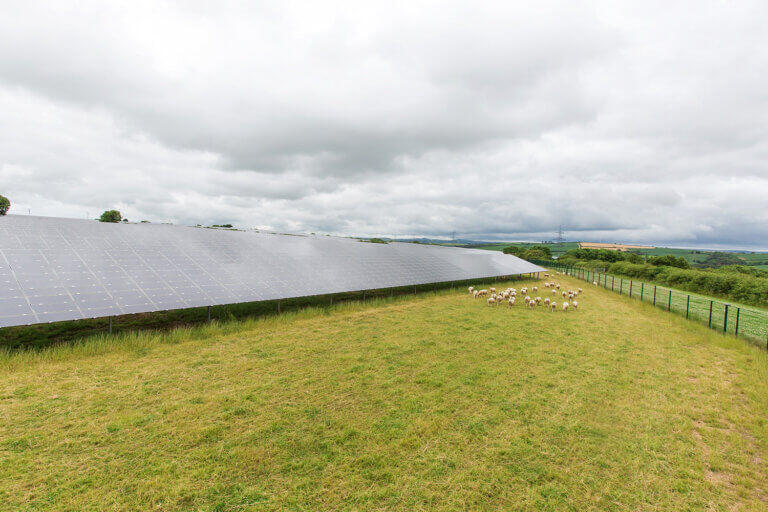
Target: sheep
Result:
[[475, 294], [557, 286], [594, 283], [546, 275], [527, 300], [483, 292], [546, 285], [575, 305], [524, 290], [491, 301], [546, 301], [471, 289], [532, 304], [564, 294], [493, 290], [553, 305], [565, 307], [511, 302], [554, 292], [580, 290], [538, 300]]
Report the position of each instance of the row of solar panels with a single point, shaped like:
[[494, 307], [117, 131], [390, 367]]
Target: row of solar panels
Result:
[[66, 269]]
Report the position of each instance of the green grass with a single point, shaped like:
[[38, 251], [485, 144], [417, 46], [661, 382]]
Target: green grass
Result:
[[434, 402], [752, 322]]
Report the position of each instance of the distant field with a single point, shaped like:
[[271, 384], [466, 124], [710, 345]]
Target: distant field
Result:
[[615, 247], [694, 256], [434, 402]]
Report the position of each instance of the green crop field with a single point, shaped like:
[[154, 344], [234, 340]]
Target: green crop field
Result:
[[428, 402]]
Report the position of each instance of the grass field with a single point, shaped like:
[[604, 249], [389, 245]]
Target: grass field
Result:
[[751, 321], [434, 402]]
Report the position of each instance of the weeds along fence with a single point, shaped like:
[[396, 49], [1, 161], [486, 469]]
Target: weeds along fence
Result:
[[747, 323]]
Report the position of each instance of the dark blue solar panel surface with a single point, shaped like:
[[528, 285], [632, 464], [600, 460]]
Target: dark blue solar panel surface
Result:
[[55, 269]]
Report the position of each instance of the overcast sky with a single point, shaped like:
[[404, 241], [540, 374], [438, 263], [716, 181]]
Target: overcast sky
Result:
[[639, 123]]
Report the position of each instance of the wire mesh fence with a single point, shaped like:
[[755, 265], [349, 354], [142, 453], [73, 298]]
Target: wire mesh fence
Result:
[[729, 318]]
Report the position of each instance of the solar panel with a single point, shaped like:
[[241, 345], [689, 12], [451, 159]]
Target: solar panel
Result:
[[55, 269]]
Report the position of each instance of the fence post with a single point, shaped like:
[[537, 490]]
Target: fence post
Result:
[[669, 302], [630, 287], [687, 307], [278, 305], [654, 295], [642, 290], [613, 283], [710, 313], [110, 325], [621, 285], [738, 314], [209, 314], [725, 319]]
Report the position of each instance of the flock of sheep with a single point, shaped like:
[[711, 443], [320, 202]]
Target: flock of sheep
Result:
[[510, 295]]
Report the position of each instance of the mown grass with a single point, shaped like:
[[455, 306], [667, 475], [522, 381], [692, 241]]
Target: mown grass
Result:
[[436, 402], [749, 322]]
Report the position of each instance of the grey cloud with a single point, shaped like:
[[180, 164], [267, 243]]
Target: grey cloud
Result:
[[643, 122]]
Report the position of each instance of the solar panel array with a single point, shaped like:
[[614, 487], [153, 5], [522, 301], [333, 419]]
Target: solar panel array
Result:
[[55, 269]]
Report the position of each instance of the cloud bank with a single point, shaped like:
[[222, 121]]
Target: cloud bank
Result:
[[645, 123]]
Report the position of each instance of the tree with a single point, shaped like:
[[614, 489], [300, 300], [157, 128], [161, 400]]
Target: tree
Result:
[[542, 249], [669, 261], [514, 250], [5, 205], [535, 253], [111, 216], [720, 259]]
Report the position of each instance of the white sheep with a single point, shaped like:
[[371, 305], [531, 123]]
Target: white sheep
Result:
[[546, 301], [557, 286], [491, 301], [546, 285], [475, 294], [580, 290], [538, 300], [535, 288], [554, 292], [553, 305], [532, 304], [594, 283], [564, 294], [575, 305], [493, 290], [565, 307], [471, 289], [511, 302]]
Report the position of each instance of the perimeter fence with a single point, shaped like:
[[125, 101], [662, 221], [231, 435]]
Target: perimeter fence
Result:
[[728, 318]]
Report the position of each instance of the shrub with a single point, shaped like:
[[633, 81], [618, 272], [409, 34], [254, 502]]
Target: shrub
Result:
[[5, 205]]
